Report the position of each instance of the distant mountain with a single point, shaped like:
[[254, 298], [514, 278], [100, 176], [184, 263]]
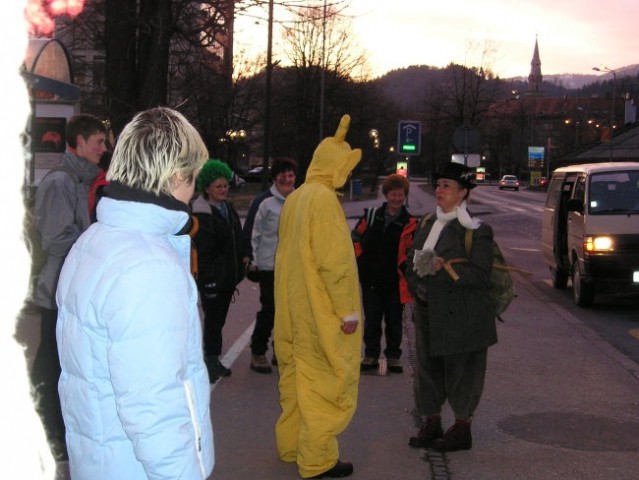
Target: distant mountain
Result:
[[573, 81], [408, 87]]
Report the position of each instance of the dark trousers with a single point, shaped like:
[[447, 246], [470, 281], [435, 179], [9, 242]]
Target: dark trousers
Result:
[[381, 305], [45, 375], [215, 307], [266, 316], [458, 378]]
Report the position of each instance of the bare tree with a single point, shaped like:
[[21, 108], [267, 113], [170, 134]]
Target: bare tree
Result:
[[325, 63], [133, 52], [460, 99], [472, 88]]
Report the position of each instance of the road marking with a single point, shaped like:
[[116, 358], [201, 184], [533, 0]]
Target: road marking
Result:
[[236, 349], [526, 249]]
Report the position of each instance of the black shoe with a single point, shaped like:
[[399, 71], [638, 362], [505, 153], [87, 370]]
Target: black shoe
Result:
[[394, 365], [427, 434], [274, 361], [341, 469], [213, 376], [259, 364], [212, 368], [369, 364], [222, 370], [457, 437]]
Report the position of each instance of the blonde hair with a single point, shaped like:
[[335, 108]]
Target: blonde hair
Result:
[[153, 148]]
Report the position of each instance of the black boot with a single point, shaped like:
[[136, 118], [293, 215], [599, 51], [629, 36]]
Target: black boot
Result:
[[211, 367], [340, 470], [428, 433], [457, 437], [223, 370]]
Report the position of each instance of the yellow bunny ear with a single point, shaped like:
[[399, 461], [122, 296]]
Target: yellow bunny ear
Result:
[[342, 128]]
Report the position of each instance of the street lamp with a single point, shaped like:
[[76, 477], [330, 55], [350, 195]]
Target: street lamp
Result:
[[374, 135], [612, 110]]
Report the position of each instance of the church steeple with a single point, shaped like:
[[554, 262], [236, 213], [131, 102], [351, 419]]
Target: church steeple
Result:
[[535, 77]]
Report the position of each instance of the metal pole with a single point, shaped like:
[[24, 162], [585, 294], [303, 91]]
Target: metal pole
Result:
[[322, 75], [267, 107], [548, 159], [612, 116]]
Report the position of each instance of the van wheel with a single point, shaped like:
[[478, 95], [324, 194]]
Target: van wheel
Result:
[[583, 293], [559, 279]]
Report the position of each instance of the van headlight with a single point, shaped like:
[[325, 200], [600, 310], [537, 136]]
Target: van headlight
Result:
[[598, 244]]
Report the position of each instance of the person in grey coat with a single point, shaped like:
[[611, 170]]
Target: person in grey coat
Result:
[[453, 314], [61, 214]]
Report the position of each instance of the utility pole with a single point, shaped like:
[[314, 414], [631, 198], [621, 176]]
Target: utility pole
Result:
[[322, 76], [267, 107]]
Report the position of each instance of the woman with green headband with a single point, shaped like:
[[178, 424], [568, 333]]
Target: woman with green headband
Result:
[[219, 258]]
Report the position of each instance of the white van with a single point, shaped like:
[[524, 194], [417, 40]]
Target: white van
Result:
[[590, 229]]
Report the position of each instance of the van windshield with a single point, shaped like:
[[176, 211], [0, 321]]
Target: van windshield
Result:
[[614, 192]]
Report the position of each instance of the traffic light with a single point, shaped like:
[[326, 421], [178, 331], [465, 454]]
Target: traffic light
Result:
[[409, 135]]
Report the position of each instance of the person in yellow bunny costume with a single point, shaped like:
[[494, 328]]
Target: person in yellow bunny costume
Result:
[[317, 312]]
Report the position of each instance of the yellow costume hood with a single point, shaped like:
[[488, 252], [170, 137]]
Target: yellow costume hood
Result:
[[333, 159]]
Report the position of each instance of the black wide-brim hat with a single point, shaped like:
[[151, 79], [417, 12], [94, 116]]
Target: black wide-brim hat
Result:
[[458, 172]]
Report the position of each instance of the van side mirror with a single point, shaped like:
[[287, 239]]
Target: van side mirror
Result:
[[575, 205]]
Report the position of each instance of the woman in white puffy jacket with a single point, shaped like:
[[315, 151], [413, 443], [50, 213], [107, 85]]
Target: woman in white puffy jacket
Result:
[[134, 388]]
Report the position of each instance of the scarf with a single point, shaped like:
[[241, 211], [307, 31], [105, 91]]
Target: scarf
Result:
[[460, 213], [423, 259]]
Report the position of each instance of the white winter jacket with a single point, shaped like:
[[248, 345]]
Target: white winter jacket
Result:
[[264, 235], [134, 389]]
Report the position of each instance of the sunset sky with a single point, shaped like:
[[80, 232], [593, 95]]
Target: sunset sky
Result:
[[573, 35]]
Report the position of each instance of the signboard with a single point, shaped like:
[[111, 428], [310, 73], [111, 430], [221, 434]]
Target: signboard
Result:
[[535, 177], [535, 158], [466, 138], [468, 159], [48, 135], [409, 135], [402, 169]]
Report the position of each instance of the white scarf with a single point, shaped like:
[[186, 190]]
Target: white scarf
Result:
[[423, 259], [460, 213]]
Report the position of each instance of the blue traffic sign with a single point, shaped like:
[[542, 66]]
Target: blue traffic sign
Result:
[[409, 135]]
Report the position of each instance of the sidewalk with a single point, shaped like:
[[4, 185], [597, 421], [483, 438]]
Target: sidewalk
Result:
[[559, 401]]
